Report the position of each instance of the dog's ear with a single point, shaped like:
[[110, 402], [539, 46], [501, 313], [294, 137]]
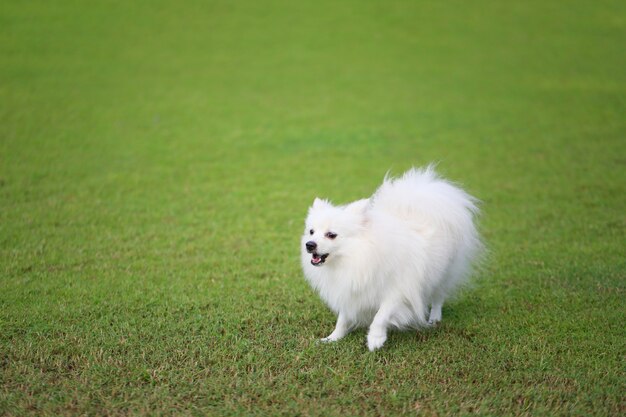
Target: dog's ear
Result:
[[358, 207], [319, 203]]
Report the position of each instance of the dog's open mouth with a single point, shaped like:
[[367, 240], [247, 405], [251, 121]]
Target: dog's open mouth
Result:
[[317, 259]]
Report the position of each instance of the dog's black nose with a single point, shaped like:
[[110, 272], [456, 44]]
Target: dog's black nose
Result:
[[310, 246]]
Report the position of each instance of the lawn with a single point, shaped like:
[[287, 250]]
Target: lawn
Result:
[[157, 160]]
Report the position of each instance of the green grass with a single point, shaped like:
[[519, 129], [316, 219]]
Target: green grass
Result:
[[157, 160]]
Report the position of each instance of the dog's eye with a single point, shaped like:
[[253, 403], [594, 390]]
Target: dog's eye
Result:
[[311, 231], [331, 235]]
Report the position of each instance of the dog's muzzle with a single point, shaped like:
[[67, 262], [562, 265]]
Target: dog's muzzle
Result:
[[316, 258]]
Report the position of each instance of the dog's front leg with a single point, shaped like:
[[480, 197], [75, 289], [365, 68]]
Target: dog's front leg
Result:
[[342, 328], [377, 334]]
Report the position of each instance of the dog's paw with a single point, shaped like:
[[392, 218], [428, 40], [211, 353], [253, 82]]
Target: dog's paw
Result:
[[329, 339], [434, 322], [375, 341]]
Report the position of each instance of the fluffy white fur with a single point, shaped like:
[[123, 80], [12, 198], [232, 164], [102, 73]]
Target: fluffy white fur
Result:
[[395, 254]]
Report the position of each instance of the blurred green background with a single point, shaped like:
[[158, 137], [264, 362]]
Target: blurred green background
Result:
[[157, 160]]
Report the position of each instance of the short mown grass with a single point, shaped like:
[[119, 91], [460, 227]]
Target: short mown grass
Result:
[[157, 160]]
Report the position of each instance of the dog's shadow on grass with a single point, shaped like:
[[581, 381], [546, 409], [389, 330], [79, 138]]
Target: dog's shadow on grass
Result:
[[462, 318], [461, 322], [357, 339], [412, 337]]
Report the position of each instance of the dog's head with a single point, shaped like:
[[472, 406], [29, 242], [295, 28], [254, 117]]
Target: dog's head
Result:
[[329, 229]]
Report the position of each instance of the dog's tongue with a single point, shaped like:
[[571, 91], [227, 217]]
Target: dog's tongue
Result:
[[316, 259]]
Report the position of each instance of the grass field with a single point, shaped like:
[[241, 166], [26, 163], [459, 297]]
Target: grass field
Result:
[[157, 160]]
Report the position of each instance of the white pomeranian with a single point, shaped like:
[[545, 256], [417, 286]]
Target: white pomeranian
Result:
[[380, 262]]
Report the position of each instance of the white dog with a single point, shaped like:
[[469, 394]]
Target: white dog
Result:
[[380, 262]]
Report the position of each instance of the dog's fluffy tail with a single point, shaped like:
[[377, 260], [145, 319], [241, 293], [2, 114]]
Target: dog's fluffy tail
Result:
[[432, 205]]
